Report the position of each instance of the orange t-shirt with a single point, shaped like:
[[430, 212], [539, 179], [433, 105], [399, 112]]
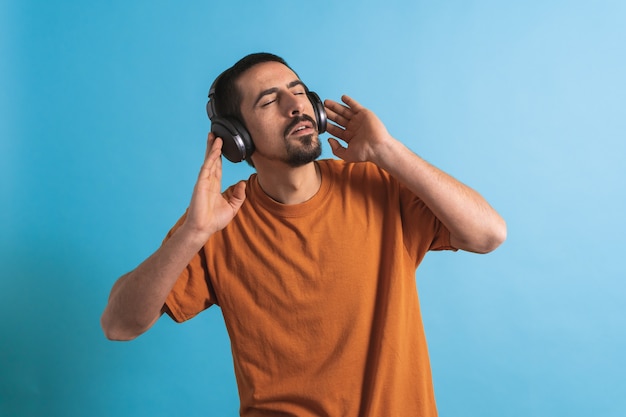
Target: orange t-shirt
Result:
[[319, 298]]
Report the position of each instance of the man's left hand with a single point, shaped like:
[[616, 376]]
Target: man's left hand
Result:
[[359, 128]]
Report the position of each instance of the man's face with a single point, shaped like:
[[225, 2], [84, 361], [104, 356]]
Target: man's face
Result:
[[278, 115]]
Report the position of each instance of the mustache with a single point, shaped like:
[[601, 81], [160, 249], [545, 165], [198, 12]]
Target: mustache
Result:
[[297, 120]]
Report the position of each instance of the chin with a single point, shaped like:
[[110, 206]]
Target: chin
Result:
[[307, 153]]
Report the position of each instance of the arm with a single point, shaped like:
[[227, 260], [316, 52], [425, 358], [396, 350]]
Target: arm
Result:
[[137, 299], [473, 224]]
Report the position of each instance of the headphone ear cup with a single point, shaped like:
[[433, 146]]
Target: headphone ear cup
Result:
[[238, 145], [319, 110]]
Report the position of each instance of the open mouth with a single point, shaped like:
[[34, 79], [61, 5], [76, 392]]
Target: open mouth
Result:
[[301, 128], [302, 125]]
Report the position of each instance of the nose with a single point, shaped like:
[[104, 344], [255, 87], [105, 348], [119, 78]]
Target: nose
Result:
[[295, 105]]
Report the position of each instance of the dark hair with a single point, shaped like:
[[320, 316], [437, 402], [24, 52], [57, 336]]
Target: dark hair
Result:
[[227, 96]]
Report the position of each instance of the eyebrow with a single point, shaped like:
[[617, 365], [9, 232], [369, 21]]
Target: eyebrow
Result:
[[273, 90]]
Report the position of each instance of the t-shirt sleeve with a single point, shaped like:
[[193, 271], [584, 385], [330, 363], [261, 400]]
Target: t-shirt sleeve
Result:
[[192, 293]]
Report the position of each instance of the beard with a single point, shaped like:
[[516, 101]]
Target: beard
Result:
[[306, 148]]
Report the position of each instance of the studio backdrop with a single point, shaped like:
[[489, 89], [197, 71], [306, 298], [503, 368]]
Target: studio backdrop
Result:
[[103, 130]]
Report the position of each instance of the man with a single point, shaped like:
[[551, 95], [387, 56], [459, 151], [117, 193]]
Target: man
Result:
[[311, 262]]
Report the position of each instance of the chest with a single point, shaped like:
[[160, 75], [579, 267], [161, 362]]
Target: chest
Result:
[[331, 255]]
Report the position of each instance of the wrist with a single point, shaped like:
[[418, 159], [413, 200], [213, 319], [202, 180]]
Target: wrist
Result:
[[387, 153], [192, 235]]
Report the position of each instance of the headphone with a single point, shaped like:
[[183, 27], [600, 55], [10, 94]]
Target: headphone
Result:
[[238, 144]]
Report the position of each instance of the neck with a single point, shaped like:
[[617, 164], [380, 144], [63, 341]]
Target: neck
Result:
[[289, 185]]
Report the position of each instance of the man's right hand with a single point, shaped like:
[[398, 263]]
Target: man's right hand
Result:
[[209, 210], [138, 297]]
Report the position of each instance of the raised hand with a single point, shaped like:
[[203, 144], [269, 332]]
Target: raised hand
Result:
[[210, 210], [137, 298], [359, 128]]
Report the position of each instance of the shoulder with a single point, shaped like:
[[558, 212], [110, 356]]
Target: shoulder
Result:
[[229, 190], [352, 170], [361, 177]]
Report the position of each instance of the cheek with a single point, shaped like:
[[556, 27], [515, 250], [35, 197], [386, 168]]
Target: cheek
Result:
[[260, 136], [252, 126], [266, 127], [257, 130]]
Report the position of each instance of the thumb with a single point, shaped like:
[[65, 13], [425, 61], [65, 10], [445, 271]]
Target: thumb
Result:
[[338, 150], [238, 196]]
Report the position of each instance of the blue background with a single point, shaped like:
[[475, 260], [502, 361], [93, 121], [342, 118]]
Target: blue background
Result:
[[103, 130]]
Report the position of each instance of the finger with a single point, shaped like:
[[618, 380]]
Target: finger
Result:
[[339, 108], [352, 103], [339, 113], [209, 144], [215, 156], [337, 118], [212, 163], [337, 132], [338, 150], [332, 104]]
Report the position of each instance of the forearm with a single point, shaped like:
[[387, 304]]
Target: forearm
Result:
[[473, 224], [137, 298]]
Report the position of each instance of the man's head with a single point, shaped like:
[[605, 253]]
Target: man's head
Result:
[[226, 95], [266, 96]]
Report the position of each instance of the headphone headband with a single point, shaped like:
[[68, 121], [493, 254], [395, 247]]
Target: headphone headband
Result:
[[210, 105]]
